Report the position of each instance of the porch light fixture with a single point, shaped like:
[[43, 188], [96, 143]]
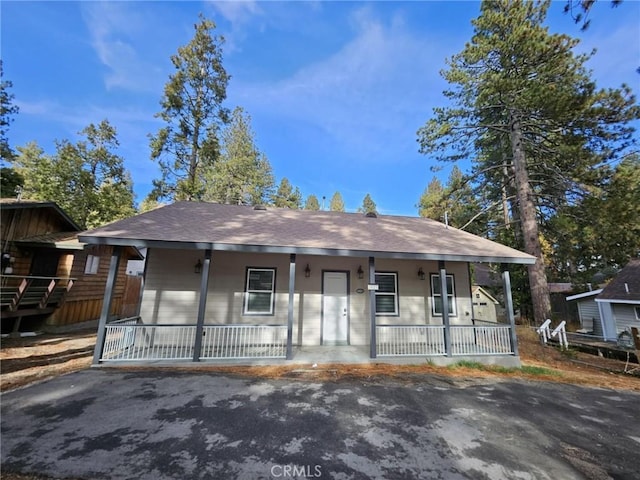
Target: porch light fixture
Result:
[[197, 268], [421, 274], [307, 271], [360, 272]]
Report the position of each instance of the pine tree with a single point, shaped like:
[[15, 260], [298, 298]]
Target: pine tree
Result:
[[337, 203], [243, 174], [188, 145], [368, 205], [523, 99], [7, 109], [286, 196], [312, 203]]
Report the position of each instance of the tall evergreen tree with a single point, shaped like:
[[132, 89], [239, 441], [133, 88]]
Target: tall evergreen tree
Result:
[[312, 203], [11, 182], [7, 110], [187, 146], [368, 205], [337, 203], [286, 196], [521, 93], [87, 179], [243, 174]]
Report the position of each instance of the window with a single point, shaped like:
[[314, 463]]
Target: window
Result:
[[91, 267], [259, 291], [387, 294], [637, 313], [436, 295]]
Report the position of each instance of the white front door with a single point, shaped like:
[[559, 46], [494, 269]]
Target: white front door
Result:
[[335, 309]]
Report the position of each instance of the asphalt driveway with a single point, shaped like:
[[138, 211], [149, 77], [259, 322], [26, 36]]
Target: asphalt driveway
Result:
[[106, 424]]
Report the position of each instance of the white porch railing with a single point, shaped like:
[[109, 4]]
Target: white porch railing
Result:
[[481, 340], [244, 341], [409, 340], [429, 340], [130, 340]]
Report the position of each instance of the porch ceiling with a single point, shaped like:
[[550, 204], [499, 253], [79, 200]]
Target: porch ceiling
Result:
[[274, 230]]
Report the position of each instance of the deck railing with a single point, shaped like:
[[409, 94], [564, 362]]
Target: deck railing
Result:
[[130, 340], [481, 340], [244, 341], [36, 292], [410, 340], [429, 340]]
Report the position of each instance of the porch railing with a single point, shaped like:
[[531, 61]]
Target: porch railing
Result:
[[410, 340], [429, 340], [131, 340], [481, 340]]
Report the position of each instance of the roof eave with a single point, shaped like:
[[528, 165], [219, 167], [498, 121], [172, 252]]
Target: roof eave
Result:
[[140, 243]]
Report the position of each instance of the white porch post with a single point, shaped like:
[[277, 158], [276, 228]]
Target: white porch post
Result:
[[445, 309], [292, 285], [202, 305], [372, 307], [508, 304], [106, 303]]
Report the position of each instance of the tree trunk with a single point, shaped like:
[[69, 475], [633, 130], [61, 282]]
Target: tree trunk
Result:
[[529, 226]]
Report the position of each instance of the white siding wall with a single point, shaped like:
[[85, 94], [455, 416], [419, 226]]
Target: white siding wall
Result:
[[625, 317], [588, 312], [172, 290]]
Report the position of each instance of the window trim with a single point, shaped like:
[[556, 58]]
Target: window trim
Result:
[[453, 301], [245, 302], [396, 296], [637, 310], [92, 264]]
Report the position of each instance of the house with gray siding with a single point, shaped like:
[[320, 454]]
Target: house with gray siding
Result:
[[619, 301], [588, 311], [229, 282]]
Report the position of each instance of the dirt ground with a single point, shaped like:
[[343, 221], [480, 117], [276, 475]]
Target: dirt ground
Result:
[[31, 359]]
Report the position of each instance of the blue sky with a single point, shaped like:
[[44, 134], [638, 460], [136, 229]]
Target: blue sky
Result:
[[336, 90]]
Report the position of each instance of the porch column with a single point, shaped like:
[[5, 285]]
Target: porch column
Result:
[[202, 305], [106, 303], [445, 309], [508, 304], [292, 285], [372, 307]]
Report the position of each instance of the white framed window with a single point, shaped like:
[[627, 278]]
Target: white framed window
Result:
[[259, 295], [436, 295], [92, 265], [387, 294], [637, 309]]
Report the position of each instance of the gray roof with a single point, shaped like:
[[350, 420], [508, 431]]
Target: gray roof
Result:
[[276, 230], [625, 287]]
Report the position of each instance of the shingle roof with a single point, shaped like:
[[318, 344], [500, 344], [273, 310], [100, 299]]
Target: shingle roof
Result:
[[243, 228], [625, 287]]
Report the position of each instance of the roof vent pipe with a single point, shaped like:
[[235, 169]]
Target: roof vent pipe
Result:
[[626, 287], [371, 215]]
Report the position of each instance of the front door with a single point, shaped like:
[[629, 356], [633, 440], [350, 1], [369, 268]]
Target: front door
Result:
[[335, 309]]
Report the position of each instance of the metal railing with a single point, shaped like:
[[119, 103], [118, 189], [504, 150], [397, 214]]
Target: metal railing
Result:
[[130, 340], [409, 340], [481, 340], [429, 340], [244, 341]]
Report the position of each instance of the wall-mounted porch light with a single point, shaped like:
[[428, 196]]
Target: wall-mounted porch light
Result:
[[421, 274], [307, 271], [197, 268], [360, 272]]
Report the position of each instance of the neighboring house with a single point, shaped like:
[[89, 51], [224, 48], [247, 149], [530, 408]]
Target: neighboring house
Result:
[[48, 274], [588, 312], [240, 282], [619, 301], [484, 305]]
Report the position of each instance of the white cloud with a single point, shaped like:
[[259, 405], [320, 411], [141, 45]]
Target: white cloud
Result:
[[114, 28], [237, 12], [367, 95]]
